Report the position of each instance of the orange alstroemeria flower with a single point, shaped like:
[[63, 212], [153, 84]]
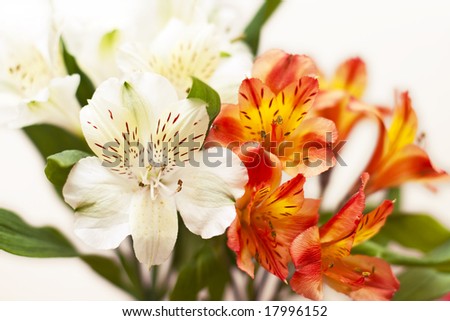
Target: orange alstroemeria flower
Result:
[[269, 216], [397, 159], [273, 111], [323, 255], [340, 99]]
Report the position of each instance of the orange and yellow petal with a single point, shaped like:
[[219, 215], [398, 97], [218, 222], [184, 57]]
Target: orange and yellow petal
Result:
[[362, 278], [411, 163], [404, 123], [309, 150], [241, 243], [351, 77], [344, 223], [256, 109], [264, 168], [279, 69], [277, 221], [226, 129], [372, 222], [306, 254]]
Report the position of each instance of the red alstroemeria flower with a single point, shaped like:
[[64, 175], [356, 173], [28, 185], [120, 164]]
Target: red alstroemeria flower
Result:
[[273, 111], [323, 255], [397, 159], [269, 216], [340, 99]]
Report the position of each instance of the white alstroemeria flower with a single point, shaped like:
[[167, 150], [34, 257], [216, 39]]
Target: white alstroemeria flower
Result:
[[148, 167], [131, 32], [183, 50], [35, 87]]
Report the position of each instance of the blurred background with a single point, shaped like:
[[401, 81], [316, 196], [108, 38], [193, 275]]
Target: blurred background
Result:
[[405, 44]]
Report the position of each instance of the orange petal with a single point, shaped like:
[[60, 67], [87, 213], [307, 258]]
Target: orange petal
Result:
[[277, 221], [306, 255], [309, 151], [351, 76], [372, 222], [278, 69], [256, 102], [264, 169], [404, 123], [292, 105], [226, 129], [411, 163], [362, 278], [239, 241], [338, 233]]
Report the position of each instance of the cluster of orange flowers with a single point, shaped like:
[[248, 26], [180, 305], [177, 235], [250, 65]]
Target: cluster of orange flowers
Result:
[[287, 119]]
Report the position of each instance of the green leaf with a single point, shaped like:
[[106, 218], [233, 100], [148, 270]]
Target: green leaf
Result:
[[253, 30], [86, 88], [417, 231], [19, 238], [59, 165], [439, 258], [202, 91], [422, 284], [394, 193], [111, 271], [50, 140], [187, 287], [206, 270]]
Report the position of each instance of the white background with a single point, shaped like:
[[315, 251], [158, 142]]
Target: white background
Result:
[[406, 45]]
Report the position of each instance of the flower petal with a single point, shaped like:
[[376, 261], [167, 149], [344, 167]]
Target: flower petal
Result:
[[55, 105], [179, 132], [264, 168], [351, 76], [306, 255], [181, 51], [243, 245], [154, 227], [404, 123], [311, 152], [119, 118], [372, 222], [411, 163], [278, 69], [101, 200], [278, 220], [363, 278], [208, 187], [338, 233], [227, 130]]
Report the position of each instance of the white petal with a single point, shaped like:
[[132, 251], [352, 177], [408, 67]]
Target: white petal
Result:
[[179, 52], [230, 72], [179, 132], [210, 185], [122, 115], [101, 200], [56, 105], [154, 227]]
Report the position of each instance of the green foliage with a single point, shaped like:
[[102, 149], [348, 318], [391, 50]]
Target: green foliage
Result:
[[202, 91], [420, 284], [253, 30], [417, 231], [19, 238], [59, 165], [86, 88], [206, 270], [50, 140]]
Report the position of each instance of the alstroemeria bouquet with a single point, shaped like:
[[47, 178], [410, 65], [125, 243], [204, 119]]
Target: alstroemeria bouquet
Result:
[[186, 157]]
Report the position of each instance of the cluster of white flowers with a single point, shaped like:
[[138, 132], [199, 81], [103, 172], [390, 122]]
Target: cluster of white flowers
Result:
[[142, 69]]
